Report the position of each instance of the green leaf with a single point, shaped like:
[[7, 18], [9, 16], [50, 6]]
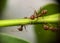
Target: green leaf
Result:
[[5, 38], [42, 35]]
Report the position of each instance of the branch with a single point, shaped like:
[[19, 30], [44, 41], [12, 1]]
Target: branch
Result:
[[51, 18]]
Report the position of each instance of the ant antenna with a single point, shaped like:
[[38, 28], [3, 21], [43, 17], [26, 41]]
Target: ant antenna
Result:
[[35, 13]]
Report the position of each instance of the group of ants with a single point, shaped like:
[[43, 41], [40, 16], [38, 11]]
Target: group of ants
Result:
[[36, 15]]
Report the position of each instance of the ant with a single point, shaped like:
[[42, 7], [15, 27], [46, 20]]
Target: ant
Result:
[[35, 15], [46, 27], [42, 13], [21, 28]]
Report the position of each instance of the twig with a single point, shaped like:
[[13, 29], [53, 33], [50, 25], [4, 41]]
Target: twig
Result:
[[14, 22]]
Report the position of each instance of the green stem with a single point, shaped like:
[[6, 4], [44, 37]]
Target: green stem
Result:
[[50, 18]]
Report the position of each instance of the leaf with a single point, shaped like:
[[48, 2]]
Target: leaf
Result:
[[42, 35], [5, 38]]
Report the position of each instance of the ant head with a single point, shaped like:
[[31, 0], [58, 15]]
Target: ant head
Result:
[[20, 29], [43, 11]]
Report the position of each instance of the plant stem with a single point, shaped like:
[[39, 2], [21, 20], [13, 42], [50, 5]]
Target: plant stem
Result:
[[51, 18]]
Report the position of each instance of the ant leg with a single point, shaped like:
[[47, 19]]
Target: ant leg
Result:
[[25, 27], [36, 15]]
